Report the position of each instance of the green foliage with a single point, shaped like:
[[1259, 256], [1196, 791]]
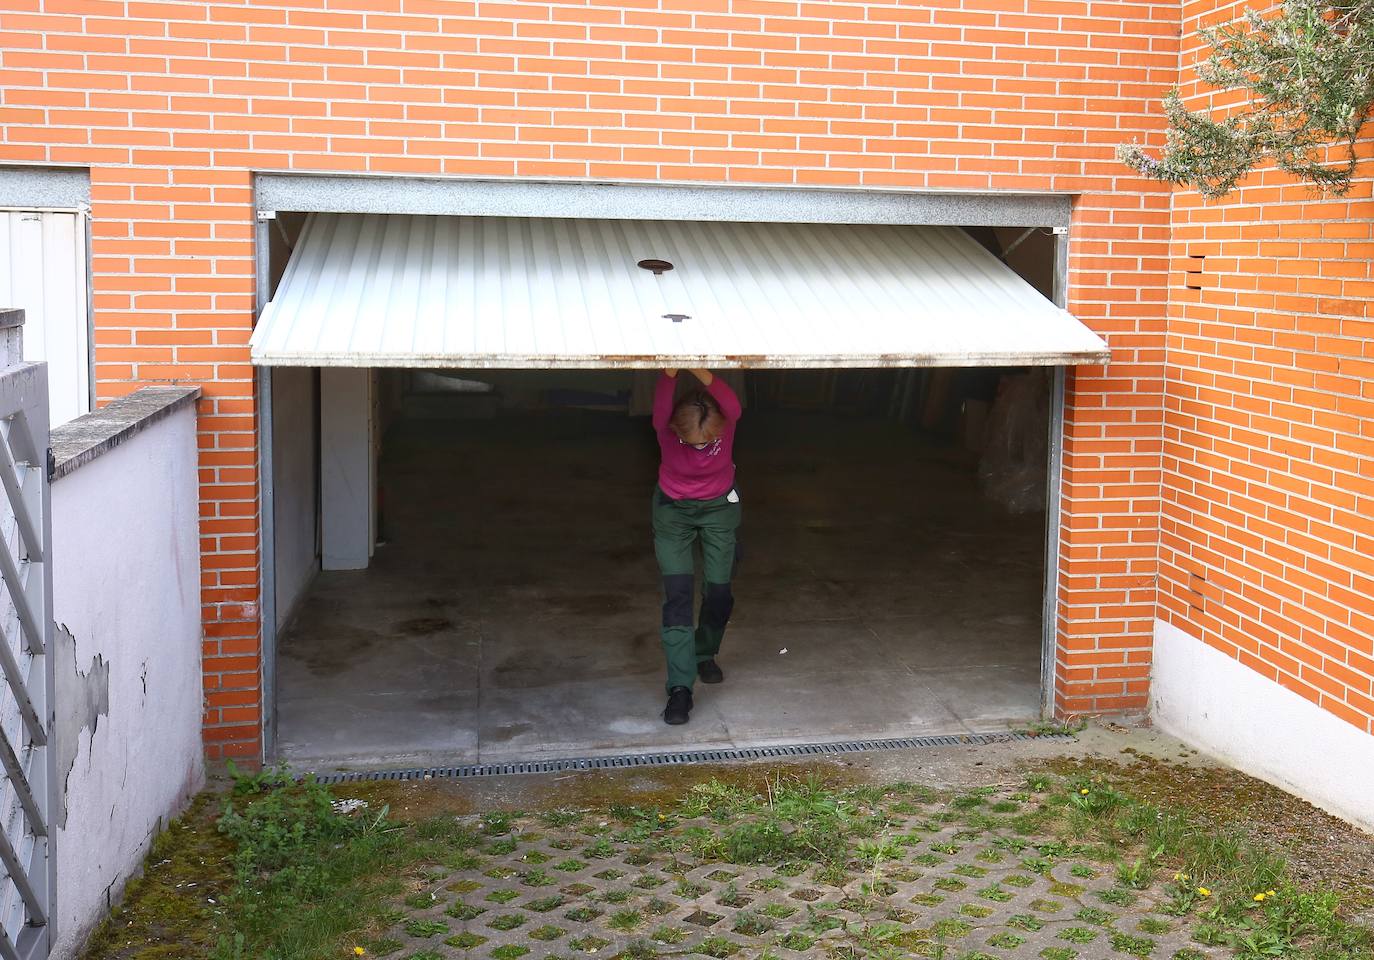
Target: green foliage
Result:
[[1308, 77]]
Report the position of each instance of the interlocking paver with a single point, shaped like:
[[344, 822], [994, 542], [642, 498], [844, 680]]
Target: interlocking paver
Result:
[[953, 880]]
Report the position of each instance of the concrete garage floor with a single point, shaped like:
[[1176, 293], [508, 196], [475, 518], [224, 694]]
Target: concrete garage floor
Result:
[[513, 611]]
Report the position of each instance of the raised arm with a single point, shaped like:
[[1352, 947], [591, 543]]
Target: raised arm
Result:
[[663, 397], [718, 388]]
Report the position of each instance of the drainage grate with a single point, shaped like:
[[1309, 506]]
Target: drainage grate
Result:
[[641, 760]]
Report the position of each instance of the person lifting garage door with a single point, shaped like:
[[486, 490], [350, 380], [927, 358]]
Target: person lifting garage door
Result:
[[695, 500]]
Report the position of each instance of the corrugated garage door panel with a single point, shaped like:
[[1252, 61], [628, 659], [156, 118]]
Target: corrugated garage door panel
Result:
[[427, 291]]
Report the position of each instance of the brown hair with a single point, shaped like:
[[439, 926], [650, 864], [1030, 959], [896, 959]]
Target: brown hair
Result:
[[697, 415]]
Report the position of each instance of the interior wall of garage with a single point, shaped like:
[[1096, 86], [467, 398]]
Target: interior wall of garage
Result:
[[295, 482], [174, 107]]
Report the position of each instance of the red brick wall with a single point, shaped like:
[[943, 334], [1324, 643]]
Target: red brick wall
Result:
[[1267, 549], [172, 105]]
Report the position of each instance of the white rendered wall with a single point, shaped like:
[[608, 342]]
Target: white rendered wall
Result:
[[295, 448], [126, 594], [1219, 705]]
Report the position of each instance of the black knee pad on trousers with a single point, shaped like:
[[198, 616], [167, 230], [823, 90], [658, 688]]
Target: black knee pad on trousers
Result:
[[717, 605], [677, 600]]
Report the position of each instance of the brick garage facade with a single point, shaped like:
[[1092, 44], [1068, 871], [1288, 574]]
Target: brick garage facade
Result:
[[173, 106], [1267, 541]]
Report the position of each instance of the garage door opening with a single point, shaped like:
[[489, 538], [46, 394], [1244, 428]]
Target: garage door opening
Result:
[[511, 608], [459, 437]]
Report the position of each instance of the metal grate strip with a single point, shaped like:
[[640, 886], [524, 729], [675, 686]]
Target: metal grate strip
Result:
[[476, 770]]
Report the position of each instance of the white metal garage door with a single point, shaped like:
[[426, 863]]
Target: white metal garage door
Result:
[[43, 272], [372, 290]]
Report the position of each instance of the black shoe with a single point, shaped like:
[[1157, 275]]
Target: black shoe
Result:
[[709, 671], [679, 705]]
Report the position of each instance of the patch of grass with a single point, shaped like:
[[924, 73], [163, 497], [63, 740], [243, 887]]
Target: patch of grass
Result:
[[752, 924], [669, 935], [582, 914], [507, 921], [588, 944], [1058, 953], [1135, 946], [797, 941], [950, 884], [928, 899], [1041, 905], [465, 940], [625, 920], [1024, 921], [1006, 941], [994, 893], [718, 947], [1018, 880], [1118, 897], [1100, 918], [1154, 925], [951, 928], [503, 896], [778, 911], [465, 911], [545, 904], [1078, 934], [509, 951], [571, 865], [976, 911], [968, 870], [425, 928]]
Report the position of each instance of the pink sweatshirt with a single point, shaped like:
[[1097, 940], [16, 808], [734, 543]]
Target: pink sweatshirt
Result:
[[686, 473]]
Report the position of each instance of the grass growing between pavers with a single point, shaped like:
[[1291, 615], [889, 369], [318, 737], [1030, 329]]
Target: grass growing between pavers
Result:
[[1065, 866]]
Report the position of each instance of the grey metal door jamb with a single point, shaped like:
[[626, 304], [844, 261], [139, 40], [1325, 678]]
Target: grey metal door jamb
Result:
[[267, 589], [1049, 642]]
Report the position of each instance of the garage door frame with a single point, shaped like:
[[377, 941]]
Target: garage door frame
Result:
[[307, 193]]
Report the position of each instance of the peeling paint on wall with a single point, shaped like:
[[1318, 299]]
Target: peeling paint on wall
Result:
[[82, 699]]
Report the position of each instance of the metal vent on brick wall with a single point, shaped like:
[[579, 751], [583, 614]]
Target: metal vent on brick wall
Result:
[[643, 760]]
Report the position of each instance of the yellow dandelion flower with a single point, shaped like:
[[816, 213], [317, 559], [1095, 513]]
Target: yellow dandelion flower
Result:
[[1084, 791], [1180, 877], [1204, 891], [1259, 898], [359, 952], [1270, 893]]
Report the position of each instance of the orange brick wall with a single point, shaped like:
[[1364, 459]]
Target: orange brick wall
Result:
[[1267, 549], [173, 105]]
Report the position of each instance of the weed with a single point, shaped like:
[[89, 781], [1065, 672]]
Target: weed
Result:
[[507, 921], [976, 911], [547, 932], [571, 865], [463, 911], [503, 896], [1006, 941], [797, 941], [582, 914], [1024, 921], [1058, 953]]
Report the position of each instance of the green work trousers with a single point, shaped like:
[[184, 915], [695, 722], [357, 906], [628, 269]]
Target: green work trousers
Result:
[[678, 526]]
